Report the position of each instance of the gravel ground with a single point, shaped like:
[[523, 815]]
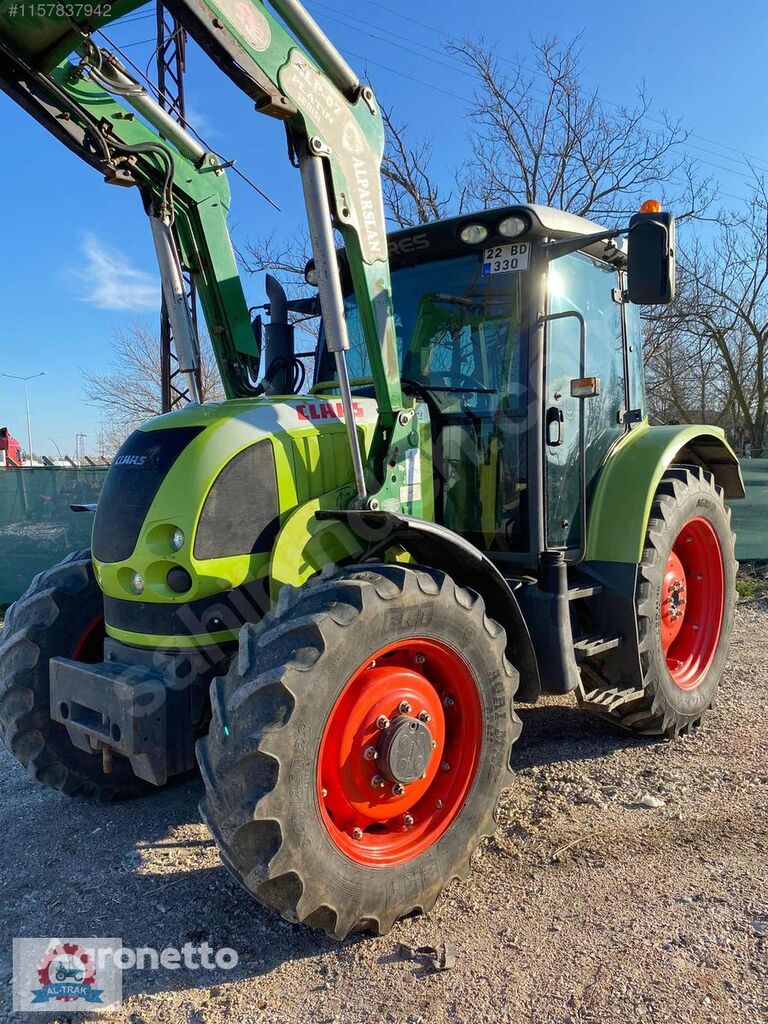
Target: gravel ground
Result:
[[626, 882]]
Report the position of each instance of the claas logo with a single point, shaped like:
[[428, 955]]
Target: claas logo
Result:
[[315, 411], [130, 460]]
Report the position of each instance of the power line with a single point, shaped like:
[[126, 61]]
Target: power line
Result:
[[402, 74], [601, 99], [140, 42], [132, 20], [463, 99], [457, 66], [460, 69]]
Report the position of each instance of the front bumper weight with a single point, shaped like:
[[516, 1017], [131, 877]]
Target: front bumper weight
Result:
[[117, 706]]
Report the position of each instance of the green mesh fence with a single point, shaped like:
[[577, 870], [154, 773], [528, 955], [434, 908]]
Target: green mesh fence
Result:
[[750, 517], [37, 527]]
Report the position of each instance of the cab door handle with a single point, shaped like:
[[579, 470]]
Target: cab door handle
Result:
[[554, 426]]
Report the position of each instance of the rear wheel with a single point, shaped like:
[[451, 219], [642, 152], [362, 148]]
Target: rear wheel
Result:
[[686, 594], [61, 615], [359, 745]]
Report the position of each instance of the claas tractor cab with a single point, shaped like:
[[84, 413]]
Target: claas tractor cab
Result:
[[521, 347], [329, 601]]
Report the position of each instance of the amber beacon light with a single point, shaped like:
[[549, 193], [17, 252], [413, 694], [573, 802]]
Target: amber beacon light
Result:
[[651, 206]]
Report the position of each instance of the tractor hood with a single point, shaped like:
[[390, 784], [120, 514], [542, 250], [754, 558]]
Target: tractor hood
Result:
[[194, 500]]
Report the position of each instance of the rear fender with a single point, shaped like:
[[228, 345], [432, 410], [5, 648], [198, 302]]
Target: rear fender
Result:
[[621, 503]]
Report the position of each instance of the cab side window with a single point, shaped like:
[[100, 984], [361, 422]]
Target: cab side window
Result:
[[585, 285], [635, 359]]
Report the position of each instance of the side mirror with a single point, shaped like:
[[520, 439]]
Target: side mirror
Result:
[[651, 259]]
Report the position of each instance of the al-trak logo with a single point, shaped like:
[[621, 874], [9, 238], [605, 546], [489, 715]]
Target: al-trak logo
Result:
[[327, 411], [66, 973]]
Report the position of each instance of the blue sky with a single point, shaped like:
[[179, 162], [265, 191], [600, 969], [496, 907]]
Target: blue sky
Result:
[[78, 263]]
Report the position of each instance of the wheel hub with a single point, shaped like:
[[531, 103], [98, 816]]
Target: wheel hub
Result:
[[673, 599], [405, 750]]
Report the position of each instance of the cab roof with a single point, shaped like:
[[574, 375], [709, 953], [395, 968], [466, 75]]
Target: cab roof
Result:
[[438, 239]]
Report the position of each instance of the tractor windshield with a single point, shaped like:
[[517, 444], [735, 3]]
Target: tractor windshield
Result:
[[460, 343], [458, 332]]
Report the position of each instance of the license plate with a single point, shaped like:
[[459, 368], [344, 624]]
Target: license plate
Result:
[[506, 259]]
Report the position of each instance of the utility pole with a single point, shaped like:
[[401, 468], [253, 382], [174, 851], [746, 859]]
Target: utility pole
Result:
[[25, 381], [80, 448], [171, 65]]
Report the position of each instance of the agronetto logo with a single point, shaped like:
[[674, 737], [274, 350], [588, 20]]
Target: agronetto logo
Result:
[[67, 975]]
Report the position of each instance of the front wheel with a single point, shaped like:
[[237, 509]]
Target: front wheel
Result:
[[358, 746], [685, 600]]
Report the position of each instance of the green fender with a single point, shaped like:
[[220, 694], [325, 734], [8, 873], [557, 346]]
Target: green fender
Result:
[[621, 502]]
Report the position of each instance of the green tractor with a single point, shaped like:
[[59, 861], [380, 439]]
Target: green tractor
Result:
[[330, 601]]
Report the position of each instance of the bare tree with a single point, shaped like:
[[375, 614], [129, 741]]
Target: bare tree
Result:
[[129, 393], [411, 194], [287, 258], [539, 136], [721, 311]]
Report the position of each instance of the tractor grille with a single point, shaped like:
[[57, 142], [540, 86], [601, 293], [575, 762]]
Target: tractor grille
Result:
[[131, 486], [241, 514]]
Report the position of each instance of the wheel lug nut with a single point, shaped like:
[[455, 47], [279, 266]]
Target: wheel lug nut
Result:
[[324, 791], [404, 707], [382, 722], [439, 804], [370, 753], [357, 833], [419, 659], [378, 782], [448, 701], [398, 789], [446, 766], [424, 716], [408, 820]]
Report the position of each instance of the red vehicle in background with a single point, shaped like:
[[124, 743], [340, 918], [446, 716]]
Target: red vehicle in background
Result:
[[10, 450]]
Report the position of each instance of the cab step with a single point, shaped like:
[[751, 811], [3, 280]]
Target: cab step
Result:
[[589, 646]]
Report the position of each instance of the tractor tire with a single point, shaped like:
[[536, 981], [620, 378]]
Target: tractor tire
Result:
[[61, 615], [685, 601], [358, 746]]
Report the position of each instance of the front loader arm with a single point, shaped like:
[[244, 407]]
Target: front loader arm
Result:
[[336, 132], [335, 124], [188, 194]]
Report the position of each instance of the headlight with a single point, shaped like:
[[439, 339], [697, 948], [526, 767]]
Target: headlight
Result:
[[511, 227], [473, 234], [137, 583], [177, 539]]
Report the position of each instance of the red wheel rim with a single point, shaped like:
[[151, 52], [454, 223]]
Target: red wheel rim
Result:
[[692, 603], [90, 646], [411, 681]]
